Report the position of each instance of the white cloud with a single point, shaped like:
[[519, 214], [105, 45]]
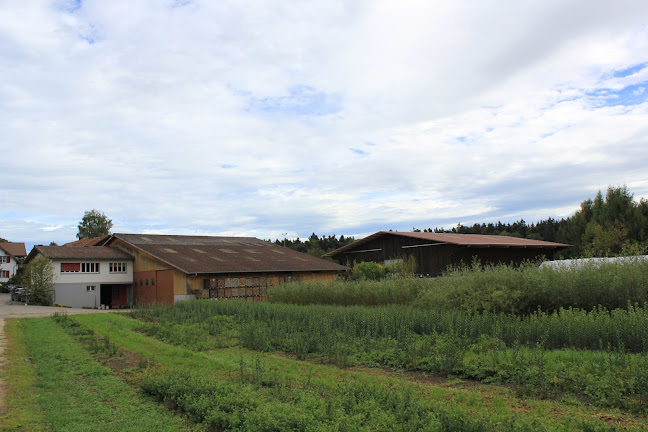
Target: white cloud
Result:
[[259, 119]]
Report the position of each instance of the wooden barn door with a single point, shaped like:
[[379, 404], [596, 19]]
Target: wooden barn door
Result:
[[164, 286], [152, 287]]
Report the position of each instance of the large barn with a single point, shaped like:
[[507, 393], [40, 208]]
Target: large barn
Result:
[[168, 268], [435, 252]]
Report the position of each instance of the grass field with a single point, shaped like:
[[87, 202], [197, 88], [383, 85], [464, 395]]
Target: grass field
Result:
[[114, 372]]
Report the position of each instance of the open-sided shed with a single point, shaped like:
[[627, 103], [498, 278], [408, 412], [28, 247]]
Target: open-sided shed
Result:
[[435, 252]]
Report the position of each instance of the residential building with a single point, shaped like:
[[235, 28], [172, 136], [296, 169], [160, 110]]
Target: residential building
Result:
[[12, 256], [90, 277]]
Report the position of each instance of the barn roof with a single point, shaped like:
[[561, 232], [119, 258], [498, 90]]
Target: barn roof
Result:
[[80, 253], [208, 254], [14, 249], [468, 240]]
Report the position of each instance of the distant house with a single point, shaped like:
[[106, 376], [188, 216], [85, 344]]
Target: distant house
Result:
[[89, 276], [12, 256], [435, 252], [168, 268]]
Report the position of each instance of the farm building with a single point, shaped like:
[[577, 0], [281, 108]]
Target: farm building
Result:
[[168, 268], [435, 252], [89, 276]]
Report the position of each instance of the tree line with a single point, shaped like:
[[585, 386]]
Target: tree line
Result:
[[315, 245], [608, 225]]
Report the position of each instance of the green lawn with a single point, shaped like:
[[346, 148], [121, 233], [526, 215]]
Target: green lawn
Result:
[[57, 385]]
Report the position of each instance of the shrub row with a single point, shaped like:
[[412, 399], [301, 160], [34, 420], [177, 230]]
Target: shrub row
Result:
[[525, 289], [519, 290]]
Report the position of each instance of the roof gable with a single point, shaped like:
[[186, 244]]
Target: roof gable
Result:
[[14, 249], [95, 241]]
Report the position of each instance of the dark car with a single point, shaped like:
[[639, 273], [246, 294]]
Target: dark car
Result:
[[18, 294], [6, 288]]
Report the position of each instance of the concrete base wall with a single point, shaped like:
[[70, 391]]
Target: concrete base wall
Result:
[[75, 295], [179, 297]]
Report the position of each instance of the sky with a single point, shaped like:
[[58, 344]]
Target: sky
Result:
[[272, 119]]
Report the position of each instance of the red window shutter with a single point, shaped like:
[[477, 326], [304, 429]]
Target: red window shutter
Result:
[[71, 267], [8, 260]]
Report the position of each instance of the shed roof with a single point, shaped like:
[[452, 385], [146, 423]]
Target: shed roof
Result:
[[80, 252], [14, 249], [208, 254], [468, 240]]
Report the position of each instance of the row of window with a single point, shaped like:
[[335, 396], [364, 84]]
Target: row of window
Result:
[[5, 274], [5, 259], [91, 267], [144, 282], [117, 267]]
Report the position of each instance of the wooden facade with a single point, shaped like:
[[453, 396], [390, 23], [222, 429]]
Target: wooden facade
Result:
[[253, 287]]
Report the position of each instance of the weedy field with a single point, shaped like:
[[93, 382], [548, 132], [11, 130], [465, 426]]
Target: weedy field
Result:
[[241, 366]]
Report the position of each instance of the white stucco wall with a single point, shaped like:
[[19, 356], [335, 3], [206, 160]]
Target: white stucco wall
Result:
[[11, 266], [104, 276]]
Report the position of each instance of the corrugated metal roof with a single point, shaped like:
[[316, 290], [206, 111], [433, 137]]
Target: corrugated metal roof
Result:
[[14, 249], [470, 240], [80, 252], [207, 254]]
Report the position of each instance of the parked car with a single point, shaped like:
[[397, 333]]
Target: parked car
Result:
[[18, 294], [6, 288]]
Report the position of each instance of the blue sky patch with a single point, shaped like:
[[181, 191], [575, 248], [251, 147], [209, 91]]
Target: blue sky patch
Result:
[[71, 6], [301, 101], [358, 151], [634, 94], [622, 73]]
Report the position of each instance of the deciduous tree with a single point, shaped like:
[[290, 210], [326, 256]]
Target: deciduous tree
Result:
[[94, 224], [39, 278]]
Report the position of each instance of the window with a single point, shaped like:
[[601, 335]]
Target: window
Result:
[[5, 259], [70, 267], [89, 267], [79, 267], [117, 267], [4, 274], [90, 288]]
